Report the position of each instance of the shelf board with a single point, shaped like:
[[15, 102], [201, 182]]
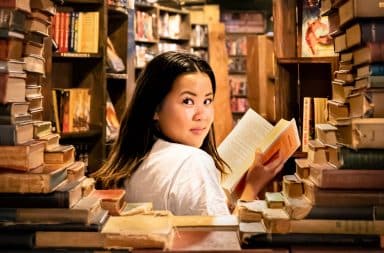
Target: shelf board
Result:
[[75, 55], [143, 6], [298, 60], [117, 75], [174, 38], [93, 133], [146, 41], [118, 9], [199, 47], [172, 10], [233, 72], [63, 2]]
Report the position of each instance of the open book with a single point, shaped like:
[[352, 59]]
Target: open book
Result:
[[254, 132]]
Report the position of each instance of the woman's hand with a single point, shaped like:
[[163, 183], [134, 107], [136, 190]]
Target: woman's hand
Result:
[[260, 174]]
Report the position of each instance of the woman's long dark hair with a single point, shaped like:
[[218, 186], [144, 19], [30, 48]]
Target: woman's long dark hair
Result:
[[137, 132]]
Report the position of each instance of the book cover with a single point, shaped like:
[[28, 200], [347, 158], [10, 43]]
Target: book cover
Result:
[[111, 199], [352, 9], [363, 32], [253, 132], [60, 154]]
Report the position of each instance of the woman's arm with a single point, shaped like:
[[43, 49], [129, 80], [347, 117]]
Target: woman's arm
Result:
[[259, 175]]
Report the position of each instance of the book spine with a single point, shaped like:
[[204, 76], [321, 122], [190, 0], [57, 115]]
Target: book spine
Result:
[[377, 70], [340, 240], [52, 200], [346, 213], [7, 135], [17, 240], [372, 32], [362, 159]]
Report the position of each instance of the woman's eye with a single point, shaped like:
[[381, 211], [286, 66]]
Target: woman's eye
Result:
[[188, 101], [208, 101]]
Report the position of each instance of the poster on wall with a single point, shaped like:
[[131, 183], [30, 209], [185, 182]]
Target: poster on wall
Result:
[[316, 41]]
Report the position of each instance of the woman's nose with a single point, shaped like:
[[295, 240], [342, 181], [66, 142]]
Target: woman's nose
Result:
[[200, 112]]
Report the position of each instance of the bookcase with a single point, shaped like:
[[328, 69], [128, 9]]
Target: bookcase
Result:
[[71, 67], [158, 29], [297, 76]]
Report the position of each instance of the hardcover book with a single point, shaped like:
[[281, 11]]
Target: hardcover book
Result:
[[253, 132], [61, 154], [328, 177], [353, 9], [40, 180], [16, 134], [66, 195], [363, 32], [23, 157]]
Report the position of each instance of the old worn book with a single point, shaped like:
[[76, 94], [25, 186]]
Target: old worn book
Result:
[[7, 66], [340, 91], [61, 154], [366, 103], [82, 212], [370, 70], [12, 88], [75, 172], [275, 217], [16, 134], [251, 211], [365, 31], [340, 197], [35, 63], [12, 109], [326, 133], [193, 222], [44, 180], [253, 132], [22, 157], [202, 240], [365, 133], [66, 195], [327, 176], [346, 213], [37, 25], [329, 226], [12, 19], [111, 199], [366, 158], [337, 110], [371, 52], [317, 152], [314, 242], [16, 4], [44, 5], [302, 168], [353, 9], [139, 231], [274, 199], [369, 82], [15, 119], [133, 208], [51, 141], [292, 186], [95, 225], [41, 128]]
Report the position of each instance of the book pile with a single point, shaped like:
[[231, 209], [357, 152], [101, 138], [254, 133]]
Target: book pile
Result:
[[335, 196]]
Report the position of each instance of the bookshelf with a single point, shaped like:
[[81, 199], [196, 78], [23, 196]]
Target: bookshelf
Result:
[[69, 67], [158, 29], [297, 76]]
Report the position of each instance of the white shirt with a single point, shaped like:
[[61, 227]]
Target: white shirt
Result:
[[179, 178]]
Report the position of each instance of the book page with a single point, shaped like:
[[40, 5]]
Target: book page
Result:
[[238, 148]]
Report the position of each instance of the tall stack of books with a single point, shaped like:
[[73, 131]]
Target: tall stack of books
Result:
[[336, 195]]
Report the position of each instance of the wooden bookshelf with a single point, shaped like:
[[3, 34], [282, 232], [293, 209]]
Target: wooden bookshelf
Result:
[[73, 69]]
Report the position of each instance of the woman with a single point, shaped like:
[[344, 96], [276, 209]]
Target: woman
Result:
[[166, 151]]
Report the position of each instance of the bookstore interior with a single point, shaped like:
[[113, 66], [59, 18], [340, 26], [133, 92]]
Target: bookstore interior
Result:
[[300, 77]]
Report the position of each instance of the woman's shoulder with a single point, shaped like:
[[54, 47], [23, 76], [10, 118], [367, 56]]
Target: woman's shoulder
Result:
[[166, 148]]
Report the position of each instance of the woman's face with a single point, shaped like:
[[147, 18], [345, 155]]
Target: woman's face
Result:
[[186, 113]]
